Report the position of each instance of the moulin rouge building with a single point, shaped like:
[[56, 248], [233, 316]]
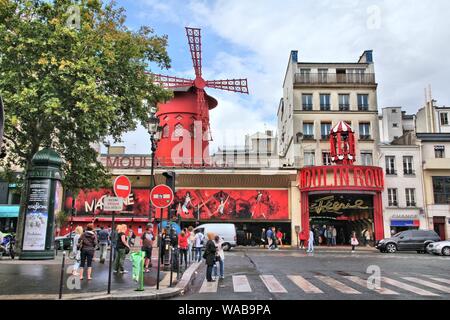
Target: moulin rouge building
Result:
[[320, 170]]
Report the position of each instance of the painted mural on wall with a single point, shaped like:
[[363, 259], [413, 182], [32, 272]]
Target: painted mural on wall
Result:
[[226, 204]]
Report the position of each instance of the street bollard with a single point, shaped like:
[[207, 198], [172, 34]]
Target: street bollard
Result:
[[171, 268], [61, 282]]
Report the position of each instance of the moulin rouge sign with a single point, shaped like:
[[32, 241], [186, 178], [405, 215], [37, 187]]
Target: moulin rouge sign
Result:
[[341, 178]]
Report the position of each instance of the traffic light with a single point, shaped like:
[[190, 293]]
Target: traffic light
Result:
[[170, 179]]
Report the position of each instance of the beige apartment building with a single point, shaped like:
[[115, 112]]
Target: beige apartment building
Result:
[[316, 96]]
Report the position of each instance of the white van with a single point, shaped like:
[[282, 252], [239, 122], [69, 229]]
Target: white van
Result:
[[227, 231]]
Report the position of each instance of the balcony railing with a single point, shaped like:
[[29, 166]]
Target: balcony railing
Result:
[[344, 107], [393, 204], [410, 204], [363, 108], [407, 172], [325, 137], [365, 137], [307, 107], [308, 137], [391, 172], [325, 107], [333, 78]]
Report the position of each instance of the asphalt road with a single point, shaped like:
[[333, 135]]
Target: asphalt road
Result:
[[271, 275]]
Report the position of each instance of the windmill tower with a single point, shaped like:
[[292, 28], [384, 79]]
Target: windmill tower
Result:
[[185, 119]]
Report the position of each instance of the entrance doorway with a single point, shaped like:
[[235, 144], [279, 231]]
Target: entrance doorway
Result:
[[439, 226]]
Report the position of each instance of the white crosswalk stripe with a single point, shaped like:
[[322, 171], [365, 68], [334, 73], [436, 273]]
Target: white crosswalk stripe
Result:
[[447, 281], [304, 284], [209, 287], [272, 284], [241, 284], [428, 284], [339, 286], [407, 287], [363, 283]]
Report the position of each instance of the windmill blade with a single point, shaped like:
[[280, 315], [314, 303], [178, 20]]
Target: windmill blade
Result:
[[172, 82], [195, 46], [235, 85]]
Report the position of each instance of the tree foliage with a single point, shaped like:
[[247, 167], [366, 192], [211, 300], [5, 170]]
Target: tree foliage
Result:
[[67, 86]]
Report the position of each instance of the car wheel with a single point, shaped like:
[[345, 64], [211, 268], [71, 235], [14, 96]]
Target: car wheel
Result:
[[446, 251], [226, 247], [391, 248]]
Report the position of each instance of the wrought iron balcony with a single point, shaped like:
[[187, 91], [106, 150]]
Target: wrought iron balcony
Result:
[[307, 107], [333, 78], [344, 107], [410, 204], [325, 107], [365, 137], [391, 172], [308, 137], [407, 172]]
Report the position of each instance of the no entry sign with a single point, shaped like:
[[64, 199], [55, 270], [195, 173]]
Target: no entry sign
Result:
[[122, 187], [161, 196]]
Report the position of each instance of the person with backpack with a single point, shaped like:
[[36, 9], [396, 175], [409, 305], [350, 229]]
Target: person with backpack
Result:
[[198, 245], [103, 241], [87, 244], [147, 247]]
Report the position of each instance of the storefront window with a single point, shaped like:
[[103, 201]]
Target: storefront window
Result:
[[441, 190]]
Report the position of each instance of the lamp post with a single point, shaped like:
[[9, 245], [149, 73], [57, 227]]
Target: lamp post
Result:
[[155, 134]]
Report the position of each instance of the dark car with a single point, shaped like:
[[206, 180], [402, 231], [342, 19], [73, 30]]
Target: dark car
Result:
[[66, 240], [410, 240]]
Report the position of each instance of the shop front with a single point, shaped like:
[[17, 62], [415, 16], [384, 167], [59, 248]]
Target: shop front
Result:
[[399, 220]]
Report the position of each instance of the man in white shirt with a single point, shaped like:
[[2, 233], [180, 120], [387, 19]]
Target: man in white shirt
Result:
[[198, 246]]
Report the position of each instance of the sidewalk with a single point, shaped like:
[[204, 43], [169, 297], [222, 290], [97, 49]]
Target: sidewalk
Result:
[[316, 249]]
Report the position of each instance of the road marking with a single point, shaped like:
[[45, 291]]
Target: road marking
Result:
[[240, 284], [439, 279], [304, 284], [337, 285], [208, 287], [428, 284], [408, 287], [272, 284], [363, 283]]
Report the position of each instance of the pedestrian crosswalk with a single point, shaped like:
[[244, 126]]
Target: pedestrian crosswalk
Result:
[[353, 285]]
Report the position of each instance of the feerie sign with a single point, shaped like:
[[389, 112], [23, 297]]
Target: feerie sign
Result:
[[339, 177], [127, 162]]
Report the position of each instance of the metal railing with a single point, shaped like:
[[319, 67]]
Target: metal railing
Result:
[[333, 78]]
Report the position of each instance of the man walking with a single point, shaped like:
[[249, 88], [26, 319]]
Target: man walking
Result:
[[103, 241], [147, 247], [263, 237], [310, 242], [333, 236], [198, 245], [269, 236]]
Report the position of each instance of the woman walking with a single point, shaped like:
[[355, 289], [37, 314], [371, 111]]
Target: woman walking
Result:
[[303, 238], [210, 256], [162, 244], [183, 246], [76, 250], [88, 241], [354, 241], [122, 246], [220, 257], [280, 238]]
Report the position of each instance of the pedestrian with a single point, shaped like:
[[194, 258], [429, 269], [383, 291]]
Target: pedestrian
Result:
[[342, 236], [198, 245], [162, 244], [280, 238], [303, 237], [333, 236], [220, 257], [131, 237], [103, 241], [354, 241], [122, 249], [263, 237], [329, 235], [316, 236], [183, 246], [76, 250], [274, 239], [210, 256], [191, 241], [113, 237], [88, 242], [269, 236], [310, 242], [147, 247]]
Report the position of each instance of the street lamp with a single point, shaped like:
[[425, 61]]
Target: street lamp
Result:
[[155, 134]]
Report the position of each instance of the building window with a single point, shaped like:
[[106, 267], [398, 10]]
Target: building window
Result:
[[392, 198], [178, 132], [325, 129], [363, 102], [364, 131], [394, 110], [366, 158], [308, 130], [344, 102], [323, 75], [305, 75], [309, 158], [390, 165], [395, 125], [325, 102], [439, 152], [408, 166], [410, 197], [307, 102], [441, 190], [326, 158], [444, 119], [165, 131]]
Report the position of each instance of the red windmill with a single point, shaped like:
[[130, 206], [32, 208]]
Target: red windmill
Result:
[[185, 119], [342, 143]]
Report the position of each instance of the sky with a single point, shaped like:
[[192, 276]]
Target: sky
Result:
[[253, 38]]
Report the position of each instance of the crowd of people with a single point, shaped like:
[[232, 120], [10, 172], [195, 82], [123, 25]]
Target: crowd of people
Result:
[[272, 238]]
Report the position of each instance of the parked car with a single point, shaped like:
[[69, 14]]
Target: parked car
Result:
[[441, 247], [227, 231], [410, 240], [65, 240]]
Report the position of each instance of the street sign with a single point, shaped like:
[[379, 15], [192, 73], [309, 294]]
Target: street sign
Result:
[[112, 204], [122, 187], [161, 196]]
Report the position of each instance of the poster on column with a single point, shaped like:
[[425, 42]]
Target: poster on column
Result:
[[36, 215]]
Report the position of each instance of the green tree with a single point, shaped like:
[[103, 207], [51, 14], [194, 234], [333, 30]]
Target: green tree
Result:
[[70, 80]]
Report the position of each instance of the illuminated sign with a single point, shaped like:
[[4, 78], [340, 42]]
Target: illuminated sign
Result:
[[329, 204]]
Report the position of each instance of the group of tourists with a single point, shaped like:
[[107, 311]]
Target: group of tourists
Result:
[[330, 234], [272, 238]]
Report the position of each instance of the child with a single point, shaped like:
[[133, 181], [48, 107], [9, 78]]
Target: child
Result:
[[354, 241]]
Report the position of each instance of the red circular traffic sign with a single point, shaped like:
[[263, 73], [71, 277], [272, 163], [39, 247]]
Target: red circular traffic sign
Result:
[[122, 187], [161, 196]]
